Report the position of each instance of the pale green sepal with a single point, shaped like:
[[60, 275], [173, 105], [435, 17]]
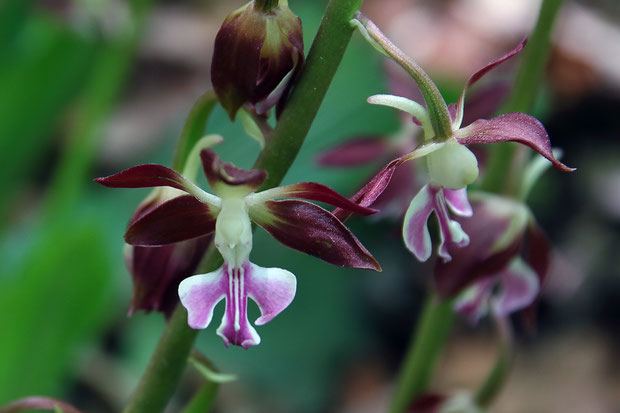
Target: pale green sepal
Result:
[[423, 150], [356, 24], [251, 128], [533, 171], [192, 163], [438, 110], [58, 409], [204, 367], [409, 106]]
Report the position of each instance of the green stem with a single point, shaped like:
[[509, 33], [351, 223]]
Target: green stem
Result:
[[323, 59], [417, 369], [523, 97], [203, 399], [166, 365], [494, 382]]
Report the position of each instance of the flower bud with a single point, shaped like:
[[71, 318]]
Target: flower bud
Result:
[[257, 52], [157, 271]]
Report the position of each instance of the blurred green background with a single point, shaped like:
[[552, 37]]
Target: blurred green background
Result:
[[88, 88]]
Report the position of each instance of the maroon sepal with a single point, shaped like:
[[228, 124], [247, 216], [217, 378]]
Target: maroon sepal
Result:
[[157, 272], [369, 193], [355, 152], [478, 259], [219, 172], [179, 219], [313, 191], [28, 404], [144, 176], [512, 127], [312, 230]]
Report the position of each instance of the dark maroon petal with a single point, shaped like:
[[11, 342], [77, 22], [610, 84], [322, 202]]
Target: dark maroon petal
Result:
[[179, 219], [157, 272], [219, 172], [479, 259], [476, 76], [37, 403], [312, 230], [354, 152], [321, 193], [372, 190], [396, 198], [512, 127], [485, 102], [145, 176]]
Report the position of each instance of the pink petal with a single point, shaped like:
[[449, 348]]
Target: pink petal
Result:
[[512, 127], [200, 294], [28, 404], [519, 288], [312, 230], [144, 176], [473, 303], [273, 289], [457, 201], [179, 219], [235, 328], [355, 152], [415, 231], [480, 259], [458, 117], [450, 232], [220, 173], [320, 193]]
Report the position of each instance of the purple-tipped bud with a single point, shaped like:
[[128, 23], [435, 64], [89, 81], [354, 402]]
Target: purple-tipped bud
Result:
[[257, 53]]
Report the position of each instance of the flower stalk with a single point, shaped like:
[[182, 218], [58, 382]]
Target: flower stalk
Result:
[[433, 327], [522, 99], [494, 382], [437, 109], [169, 359]]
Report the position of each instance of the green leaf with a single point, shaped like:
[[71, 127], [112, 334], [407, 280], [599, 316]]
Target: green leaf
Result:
[[208, 370]]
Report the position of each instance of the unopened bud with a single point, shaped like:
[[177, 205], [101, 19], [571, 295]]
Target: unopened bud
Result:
[[258, 50]]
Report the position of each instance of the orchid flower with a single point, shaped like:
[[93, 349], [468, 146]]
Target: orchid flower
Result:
[[503, 268], [451, 165], [228, 213]]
